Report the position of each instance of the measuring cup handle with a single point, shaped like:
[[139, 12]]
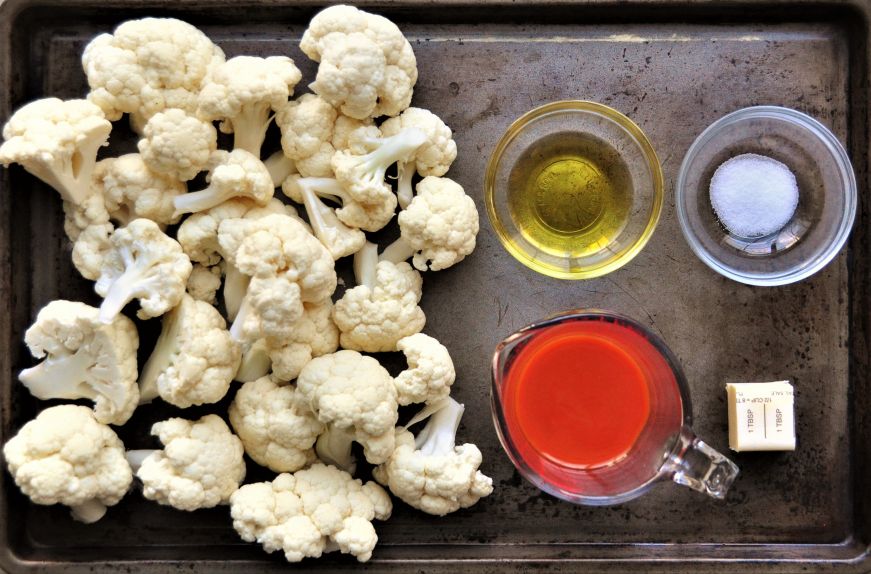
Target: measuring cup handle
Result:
[[694, 464]]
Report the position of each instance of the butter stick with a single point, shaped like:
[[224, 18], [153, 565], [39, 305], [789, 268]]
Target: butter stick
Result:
[[761, 416]]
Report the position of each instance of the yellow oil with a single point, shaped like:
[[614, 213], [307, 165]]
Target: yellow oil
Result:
[[570, 194]]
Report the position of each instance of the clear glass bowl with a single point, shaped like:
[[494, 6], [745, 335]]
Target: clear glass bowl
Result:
[[826, 206], [617, 137]]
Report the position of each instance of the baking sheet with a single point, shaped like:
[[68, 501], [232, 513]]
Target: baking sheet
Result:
[[673, 68]]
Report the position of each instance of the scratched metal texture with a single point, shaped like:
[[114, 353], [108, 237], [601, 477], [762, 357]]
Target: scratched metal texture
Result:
[[673, 67]]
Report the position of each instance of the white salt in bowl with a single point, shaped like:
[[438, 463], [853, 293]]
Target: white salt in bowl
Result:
[[827, 198]]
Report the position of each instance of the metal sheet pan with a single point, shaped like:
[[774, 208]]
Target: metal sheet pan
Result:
[[673, 66]]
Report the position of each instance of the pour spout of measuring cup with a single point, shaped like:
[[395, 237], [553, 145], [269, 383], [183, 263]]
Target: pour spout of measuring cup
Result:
[[694, 464]]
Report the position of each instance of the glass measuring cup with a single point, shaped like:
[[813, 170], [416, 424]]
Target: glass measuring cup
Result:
[[664, 446]]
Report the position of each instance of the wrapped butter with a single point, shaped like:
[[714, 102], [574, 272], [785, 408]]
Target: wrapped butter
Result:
[[761, 416]]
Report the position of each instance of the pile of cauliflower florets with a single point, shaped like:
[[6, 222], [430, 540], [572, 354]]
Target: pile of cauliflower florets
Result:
[[144, 237]]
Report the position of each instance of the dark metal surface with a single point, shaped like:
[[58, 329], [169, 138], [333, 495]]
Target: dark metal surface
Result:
[[674, 68]]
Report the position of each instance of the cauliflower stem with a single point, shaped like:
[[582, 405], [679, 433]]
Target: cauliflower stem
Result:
[[438, 436], [338, 238], [404, 175], [255, 362], [334, 447], [279, 167], [235, 286], [398, 251], [365, 264], [160, 358], [137, 456], [89, 511], [249, 127]]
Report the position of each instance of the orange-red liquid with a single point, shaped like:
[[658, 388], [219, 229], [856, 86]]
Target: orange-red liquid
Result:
[[578, 396]]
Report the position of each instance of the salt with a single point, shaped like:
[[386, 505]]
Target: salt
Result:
[[753, 195]]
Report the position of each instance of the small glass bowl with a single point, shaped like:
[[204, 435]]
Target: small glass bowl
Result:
[[619, 137], [826, 206]]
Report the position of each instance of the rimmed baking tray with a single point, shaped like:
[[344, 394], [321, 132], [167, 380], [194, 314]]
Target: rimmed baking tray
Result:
[[672, 66]]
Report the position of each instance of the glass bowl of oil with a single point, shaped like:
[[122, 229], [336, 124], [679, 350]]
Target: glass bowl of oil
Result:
[[827, 199], [574, 189]]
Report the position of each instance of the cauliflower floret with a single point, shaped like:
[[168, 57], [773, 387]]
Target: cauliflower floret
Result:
[[434, 157], [64, 456], [198, 237], [312, 130], [231, 174], [57, 141], [200, 465], [131, 190], [306, 125], [270, 308], [177, 144], [204, 282], [367, 67], [313, 335], [90, 249], [143, 264], [288, 266], [91, 212], [147, 66], [310, 512], [337, 237], [430, 371], [84, 359], [354, 393], [429, 472], [383, 307], [362, 176], [194, 359], [438, 228], [243, 92], [275, 425]]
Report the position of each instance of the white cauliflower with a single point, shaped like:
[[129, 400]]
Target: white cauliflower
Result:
[[131, 190], [355, 394], [288, 267], [90, 248], [306, 125], [438, 228], [337, 237], [429, 472], [434, 157], [312, 130], [198, 237], [204, 282], [200, 465], [64, 456], [275, 425], [57, 141], [362, 176], [383, 307], [231, 174], [313, 335], [84, 359], [143, 264], [147, 66], [194, 359], [351, 213], [430, 371], [177, 144], [310, 512], [367, 67], [243, 92]]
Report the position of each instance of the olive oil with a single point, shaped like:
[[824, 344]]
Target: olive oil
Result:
[[570, 194]]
